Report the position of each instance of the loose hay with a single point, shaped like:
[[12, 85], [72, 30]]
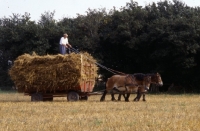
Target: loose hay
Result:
[[51, 73]]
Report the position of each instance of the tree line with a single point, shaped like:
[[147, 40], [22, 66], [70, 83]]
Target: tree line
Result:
[[161, 37]]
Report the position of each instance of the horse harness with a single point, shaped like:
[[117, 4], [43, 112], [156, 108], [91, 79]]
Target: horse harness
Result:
[[131, 77]]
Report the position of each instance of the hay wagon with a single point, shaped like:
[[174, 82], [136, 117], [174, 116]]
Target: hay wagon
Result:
[[45, 77]]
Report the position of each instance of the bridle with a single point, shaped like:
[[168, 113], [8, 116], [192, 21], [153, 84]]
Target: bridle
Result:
[[157, 77]]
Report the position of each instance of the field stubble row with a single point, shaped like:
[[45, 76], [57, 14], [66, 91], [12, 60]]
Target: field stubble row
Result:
[[160, 113]]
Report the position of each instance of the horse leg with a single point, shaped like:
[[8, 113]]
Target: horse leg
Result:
[[137, 98], [103, 96], [119, 97], [120, 94], [124, 95], [140, 95], [112, 96], [127, 97], [144, 97]]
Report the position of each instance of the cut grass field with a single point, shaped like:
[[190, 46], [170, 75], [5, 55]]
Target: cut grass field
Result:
[[160, 113]]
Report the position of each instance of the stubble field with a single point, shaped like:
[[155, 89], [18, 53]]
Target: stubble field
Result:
[[160, 113]]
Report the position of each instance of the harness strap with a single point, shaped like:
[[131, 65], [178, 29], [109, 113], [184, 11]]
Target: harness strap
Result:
[[125, 83], [132, 79]]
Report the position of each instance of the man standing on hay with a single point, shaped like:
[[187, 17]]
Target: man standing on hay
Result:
[[64, 45]]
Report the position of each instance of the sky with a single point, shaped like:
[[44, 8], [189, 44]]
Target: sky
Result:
[[67, 8]]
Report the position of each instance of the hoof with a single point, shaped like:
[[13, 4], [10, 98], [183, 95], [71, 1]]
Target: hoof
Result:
[[126, 100], [102, 100], [119, 99], [113, 99]]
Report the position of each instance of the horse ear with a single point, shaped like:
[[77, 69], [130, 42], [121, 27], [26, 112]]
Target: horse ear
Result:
[[149, 78]]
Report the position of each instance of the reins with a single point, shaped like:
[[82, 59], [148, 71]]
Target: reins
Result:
[[102, 66], [112, 71]]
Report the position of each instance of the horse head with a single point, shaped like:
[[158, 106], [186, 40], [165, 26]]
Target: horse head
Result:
[[156, 79]]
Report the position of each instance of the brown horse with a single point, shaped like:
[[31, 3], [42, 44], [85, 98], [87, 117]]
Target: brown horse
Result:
[[126, 84], [155, 79]]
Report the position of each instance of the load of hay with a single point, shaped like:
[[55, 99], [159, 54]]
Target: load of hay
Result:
[[49, 73]]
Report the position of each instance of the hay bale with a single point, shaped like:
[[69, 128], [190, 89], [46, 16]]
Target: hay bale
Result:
[[51, 73]]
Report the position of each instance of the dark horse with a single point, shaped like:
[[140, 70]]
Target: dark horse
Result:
[[155, 79], [126, 84]]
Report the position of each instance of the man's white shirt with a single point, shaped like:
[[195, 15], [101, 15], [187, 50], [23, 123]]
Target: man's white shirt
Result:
[[63, 41]]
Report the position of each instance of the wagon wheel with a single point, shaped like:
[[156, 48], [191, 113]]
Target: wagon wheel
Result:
[[72, 96], [84, 98], [36, 97]]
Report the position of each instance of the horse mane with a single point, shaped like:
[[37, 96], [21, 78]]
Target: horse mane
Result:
[[153, 74], [139, 76]]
